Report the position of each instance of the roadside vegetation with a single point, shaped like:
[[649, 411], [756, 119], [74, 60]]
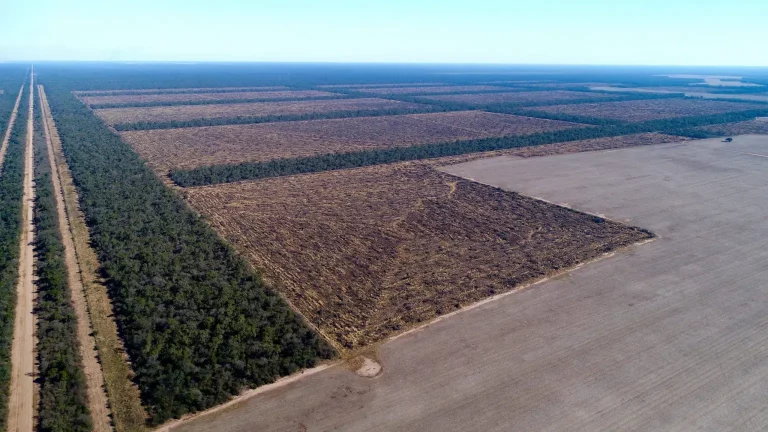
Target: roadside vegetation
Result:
[[198, 324]]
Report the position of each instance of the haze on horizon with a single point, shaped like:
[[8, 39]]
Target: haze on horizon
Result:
[[652, 32]]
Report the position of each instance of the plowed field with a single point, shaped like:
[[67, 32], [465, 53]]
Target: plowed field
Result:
[[197, 97], [533, 97]]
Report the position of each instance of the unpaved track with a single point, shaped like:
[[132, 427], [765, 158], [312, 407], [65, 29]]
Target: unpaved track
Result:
[[124, 400], [11, 121], [97, 397], [21, 402]]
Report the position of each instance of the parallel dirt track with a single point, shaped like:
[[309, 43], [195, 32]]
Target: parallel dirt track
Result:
[[22, 398], [186, 148], [124, 398], [97, 397], [11, 121]]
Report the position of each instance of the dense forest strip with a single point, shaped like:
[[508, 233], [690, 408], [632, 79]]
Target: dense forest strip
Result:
[[275, 118], [209, 102], [63, 404], [199, 325], [11, 121], [124, 398], [21, 407], [11, 193], [51, 197], [289, 166]]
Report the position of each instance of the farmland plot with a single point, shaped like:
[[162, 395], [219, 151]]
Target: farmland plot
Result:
[[366, 253], [174, 90], [202, 97], [758, 126], [533, 97], [191, 112], [187, 148], [654, 109], [349, 86], [433, 89]]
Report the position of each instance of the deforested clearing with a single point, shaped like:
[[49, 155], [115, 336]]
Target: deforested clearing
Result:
[[186, 148], [332, 86], [654, 109], [757, 126], [433, 89], [197, 97], [191, 112], [175, 90], [366, 253], [531, 97]]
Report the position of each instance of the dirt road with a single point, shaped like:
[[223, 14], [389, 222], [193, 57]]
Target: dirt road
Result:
[[21, 400], [11, 121], [97, 397]]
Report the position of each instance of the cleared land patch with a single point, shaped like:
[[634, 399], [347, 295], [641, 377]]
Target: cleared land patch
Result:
[[757, 126], [186, 148], [532, 97], [191, 112], [433, 89], [331, 86], [199, 97], [366, 253], [654, 109], [175, 90]]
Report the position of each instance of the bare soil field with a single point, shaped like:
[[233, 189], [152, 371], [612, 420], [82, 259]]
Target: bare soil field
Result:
[[332, 86], [366, 253], [197, 97], [521, 97], [186, 148], [756, 126], [191, 112], [656, 109], [177, 90], [688, 91], [434, 89]]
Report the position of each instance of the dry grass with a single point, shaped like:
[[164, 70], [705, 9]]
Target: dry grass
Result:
[[198, 97], [433, 89], [191, 112], [186, 148], [654, 109], [366, 253], [521, 97], [758, 126], [173, 90]]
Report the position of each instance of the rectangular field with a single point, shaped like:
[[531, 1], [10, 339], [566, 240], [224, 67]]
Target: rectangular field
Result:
[[369, 252], [186, 148], [528, 97], [757, 126], [655, 109], [176, 90], [433, 89], [348, 86], [197, 97], [257, 109]]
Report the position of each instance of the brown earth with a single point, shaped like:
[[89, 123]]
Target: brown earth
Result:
[[739, 128], [521, 97], [332, 86], [186, 148], [369, 252], [191, 112], [432, 89], [171, 90], [197, 97], [124, 401], [655, 109]]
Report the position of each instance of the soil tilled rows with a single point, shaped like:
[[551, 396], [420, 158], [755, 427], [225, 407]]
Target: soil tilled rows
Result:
[[257, 109], [531, 97], [187, 148], [332, 86], [198, 97], [366, 253], [175, 90], [654, 109], [432, 89], [740, 128]]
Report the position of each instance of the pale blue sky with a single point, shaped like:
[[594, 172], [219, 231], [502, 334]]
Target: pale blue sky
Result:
[[653, 32]]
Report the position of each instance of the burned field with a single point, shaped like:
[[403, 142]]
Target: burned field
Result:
[[186, 148], [433, 89], [527, 97], [654, 109], [202, 96], [190, 112], [757, 126], [369, 252]]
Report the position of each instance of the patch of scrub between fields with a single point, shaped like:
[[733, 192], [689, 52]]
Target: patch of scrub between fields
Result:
[[367, 253]]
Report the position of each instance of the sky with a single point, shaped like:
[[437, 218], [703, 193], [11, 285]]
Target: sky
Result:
[[620, 32]]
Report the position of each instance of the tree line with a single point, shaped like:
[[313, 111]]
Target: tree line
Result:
[[198, 324], [325, 162], [63, 392]]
